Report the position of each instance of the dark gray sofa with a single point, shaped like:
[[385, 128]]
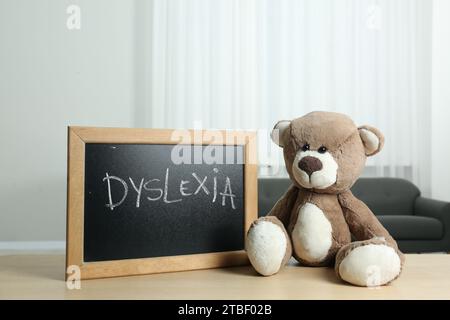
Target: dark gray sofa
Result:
[[417, 223]]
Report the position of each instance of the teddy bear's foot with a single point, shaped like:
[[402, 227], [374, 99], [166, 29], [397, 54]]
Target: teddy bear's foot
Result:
[[368, 263], [268, 245]]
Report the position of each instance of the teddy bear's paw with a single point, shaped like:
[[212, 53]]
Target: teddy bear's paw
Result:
[[267, 246], [370, 265]]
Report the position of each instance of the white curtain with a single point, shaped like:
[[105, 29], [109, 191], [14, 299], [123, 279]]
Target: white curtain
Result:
[[244, 64]]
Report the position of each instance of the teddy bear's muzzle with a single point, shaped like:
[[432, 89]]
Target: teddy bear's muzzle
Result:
[[310, 165]]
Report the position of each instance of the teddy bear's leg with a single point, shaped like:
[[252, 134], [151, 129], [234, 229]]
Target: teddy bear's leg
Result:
[[374, 259], [368, 263], [268, 245]]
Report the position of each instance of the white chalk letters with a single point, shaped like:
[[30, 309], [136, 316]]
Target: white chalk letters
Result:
[[154, 190], [112, 205]]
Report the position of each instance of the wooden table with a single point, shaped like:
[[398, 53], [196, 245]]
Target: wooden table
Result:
[[425, 276]]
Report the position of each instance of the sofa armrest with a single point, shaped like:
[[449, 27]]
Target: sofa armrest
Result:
[[439, 210], [432, 208]]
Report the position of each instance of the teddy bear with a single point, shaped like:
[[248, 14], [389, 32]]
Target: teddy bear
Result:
[[318, 220]]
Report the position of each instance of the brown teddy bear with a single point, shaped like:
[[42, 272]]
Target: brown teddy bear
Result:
[[318, 220]]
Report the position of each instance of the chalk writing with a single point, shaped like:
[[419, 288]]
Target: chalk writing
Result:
[[155, 192]]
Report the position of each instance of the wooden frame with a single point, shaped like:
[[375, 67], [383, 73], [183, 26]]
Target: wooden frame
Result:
[[79, 136]]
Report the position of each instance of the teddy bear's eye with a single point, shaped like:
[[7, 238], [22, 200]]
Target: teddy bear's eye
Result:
[[322, 149], [305, 147]]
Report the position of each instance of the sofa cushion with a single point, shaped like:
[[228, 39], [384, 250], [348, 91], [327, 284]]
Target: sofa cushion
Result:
[[403, 227], [384, 196], [387, 196], [269, 191]]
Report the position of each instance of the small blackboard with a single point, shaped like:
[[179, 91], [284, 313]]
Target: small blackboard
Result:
[[144, 200], [138, 204]]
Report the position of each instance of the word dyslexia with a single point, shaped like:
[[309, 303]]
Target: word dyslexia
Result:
[[155, 193]]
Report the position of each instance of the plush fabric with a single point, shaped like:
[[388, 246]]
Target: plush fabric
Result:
[[268, 245], [325, 153]]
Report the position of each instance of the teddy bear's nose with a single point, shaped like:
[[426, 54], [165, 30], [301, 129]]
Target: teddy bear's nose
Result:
[[310, 165]]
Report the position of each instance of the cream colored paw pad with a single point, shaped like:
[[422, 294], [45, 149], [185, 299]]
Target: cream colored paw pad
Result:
[[370, 265], [266, 246]]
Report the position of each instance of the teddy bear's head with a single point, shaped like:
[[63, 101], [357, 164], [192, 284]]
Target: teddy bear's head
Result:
[[325, 151]]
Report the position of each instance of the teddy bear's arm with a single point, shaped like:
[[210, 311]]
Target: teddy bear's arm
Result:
[[361, 221], [282, 209]]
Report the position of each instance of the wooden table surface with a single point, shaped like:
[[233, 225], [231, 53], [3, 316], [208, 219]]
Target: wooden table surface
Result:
[[425, 276]]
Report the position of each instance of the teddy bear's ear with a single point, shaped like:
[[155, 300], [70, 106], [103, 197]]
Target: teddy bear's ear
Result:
[[278, 132], [372, 138]]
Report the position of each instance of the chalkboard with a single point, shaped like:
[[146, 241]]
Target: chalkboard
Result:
[[150, 200], [138, 204]]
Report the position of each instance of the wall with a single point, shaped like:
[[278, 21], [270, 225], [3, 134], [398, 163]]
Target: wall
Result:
[[440, 170], [51, 78]]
